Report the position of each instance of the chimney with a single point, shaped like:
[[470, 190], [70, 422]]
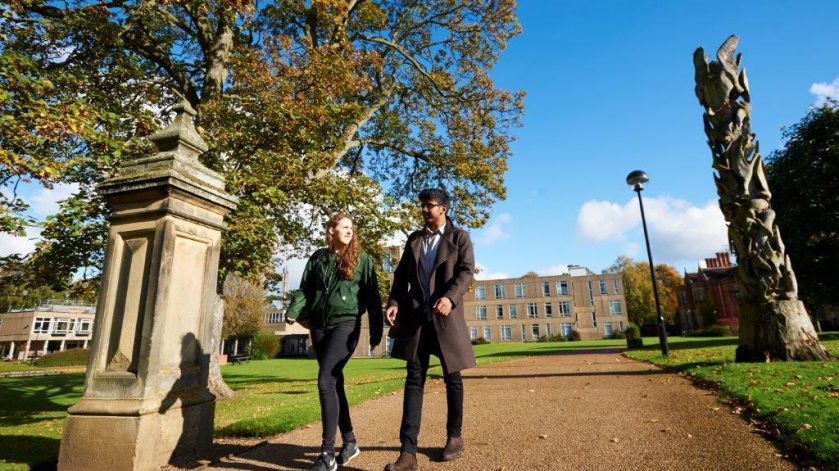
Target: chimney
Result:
[[710, 263], [727, 259]]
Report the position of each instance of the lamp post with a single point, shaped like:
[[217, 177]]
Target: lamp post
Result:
[[637, 179]]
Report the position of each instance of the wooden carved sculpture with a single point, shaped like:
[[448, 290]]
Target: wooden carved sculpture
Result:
[[774, 324]]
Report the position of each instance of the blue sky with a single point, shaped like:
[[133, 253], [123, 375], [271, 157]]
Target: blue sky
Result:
[[609, 90]]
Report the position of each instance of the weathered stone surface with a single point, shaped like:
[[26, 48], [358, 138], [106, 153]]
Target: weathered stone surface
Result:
[[146, 394]]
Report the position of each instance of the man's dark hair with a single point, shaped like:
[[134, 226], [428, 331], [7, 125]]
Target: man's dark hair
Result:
[[436, 194]]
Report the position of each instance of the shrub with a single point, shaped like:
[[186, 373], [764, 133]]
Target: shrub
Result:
[[71, 357], [480, 341], [551, 338], [632, 331], [618, 335], [265, 344], [575, 335], [714, 330]]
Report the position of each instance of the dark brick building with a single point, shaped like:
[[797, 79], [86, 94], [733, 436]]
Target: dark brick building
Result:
[[710, 296]]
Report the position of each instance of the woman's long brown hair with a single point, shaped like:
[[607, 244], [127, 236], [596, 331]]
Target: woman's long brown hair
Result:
[[348, 256]]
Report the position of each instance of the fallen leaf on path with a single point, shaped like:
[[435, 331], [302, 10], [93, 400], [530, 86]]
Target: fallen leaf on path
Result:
[[531, 390], [690, 436], [652, 421], [614, 440], [543, 437]]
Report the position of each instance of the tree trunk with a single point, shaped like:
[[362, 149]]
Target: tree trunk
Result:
[[780, 330], [216, 382]]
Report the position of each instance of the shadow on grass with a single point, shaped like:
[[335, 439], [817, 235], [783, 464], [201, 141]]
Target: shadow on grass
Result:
[[25, 399], [39, 453], [582, 350]]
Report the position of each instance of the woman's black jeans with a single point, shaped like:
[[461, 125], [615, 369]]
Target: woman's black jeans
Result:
[[334, 345]]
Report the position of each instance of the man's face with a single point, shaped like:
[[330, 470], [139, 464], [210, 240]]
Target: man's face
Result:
[[433, 213]]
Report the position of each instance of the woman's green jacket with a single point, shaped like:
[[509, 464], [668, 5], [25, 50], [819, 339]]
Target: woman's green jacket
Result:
[[327, 299]]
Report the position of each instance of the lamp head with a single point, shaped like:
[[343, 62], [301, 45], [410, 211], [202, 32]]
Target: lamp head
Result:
[[637, 179]]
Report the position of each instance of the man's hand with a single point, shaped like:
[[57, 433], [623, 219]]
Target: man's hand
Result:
[[289, 321], [390, 315], [442, 307]]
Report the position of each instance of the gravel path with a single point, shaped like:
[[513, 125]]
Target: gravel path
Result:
[[589, 410]]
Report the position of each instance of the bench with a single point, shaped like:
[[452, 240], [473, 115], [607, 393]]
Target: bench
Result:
[[233, 359]]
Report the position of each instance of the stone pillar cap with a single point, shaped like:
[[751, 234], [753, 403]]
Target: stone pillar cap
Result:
[[181, 134]]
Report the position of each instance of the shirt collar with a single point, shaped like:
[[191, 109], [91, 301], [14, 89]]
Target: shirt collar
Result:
[[429, 233]]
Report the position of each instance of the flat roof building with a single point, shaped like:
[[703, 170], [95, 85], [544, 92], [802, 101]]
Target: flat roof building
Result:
[[51, 326], [532, 307]]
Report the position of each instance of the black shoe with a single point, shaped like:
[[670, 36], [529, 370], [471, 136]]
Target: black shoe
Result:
[[348, 452], [324, 462]]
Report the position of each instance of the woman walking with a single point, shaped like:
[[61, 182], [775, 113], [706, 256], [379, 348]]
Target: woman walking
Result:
[[339, 284]]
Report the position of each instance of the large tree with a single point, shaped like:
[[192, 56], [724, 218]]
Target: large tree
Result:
[[774, 324], [307, 106], [804, 177], [638, 290]]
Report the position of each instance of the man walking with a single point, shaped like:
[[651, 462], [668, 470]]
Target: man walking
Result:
[[426, 306]]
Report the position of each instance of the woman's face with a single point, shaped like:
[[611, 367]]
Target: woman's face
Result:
[[342, 233]]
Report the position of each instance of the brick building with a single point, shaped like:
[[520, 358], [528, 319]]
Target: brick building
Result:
[[710, 296]]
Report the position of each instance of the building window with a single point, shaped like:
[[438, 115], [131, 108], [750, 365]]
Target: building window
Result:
[[487, 332], [698, 294], [534, 331], [607, 329], [549, 310], [523, 331], [566, 330], [615, 308], [621, 326], [42, 325], [84, 326], [473, 333], [565, 309], [514, 311], [603, 288], [275, 317], [387, 263], [532, 311], [594, 318], [499, 292], [590, 293], [506, 332], [480, 292], [62, 326], [548, 331], [562, 287], [546, 288], [520, 290], [481, 313], [617, 286], [499, 312]]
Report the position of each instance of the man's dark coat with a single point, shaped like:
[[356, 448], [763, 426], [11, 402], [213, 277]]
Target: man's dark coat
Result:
[[453, 271]]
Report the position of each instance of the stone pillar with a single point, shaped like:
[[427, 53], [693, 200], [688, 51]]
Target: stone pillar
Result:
[[11, 350], [26, 349], [145, 396]]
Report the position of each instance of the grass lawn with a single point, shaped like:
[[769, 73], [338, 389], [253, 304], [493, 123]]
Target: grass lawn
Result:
[[8, 366], [800, 398], [274, 396]]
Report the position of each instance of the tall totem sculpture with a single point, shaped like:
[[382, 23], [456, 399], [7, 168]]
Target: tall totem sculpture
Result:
[[774, 324]]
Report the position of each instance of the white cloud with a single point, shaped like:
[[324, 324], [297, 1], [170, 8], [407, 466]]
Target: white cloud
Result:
[[679, 231], [46, 201], [483, 273], [11, 244], [495, 231], [824, 90]]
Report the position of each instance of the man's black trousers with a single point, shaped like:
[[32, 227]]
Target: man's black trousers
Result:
[[415, 384]]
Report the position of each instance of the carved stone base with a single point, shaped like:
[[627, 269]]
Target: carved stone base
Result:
[[778, 331], [144, 442]]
